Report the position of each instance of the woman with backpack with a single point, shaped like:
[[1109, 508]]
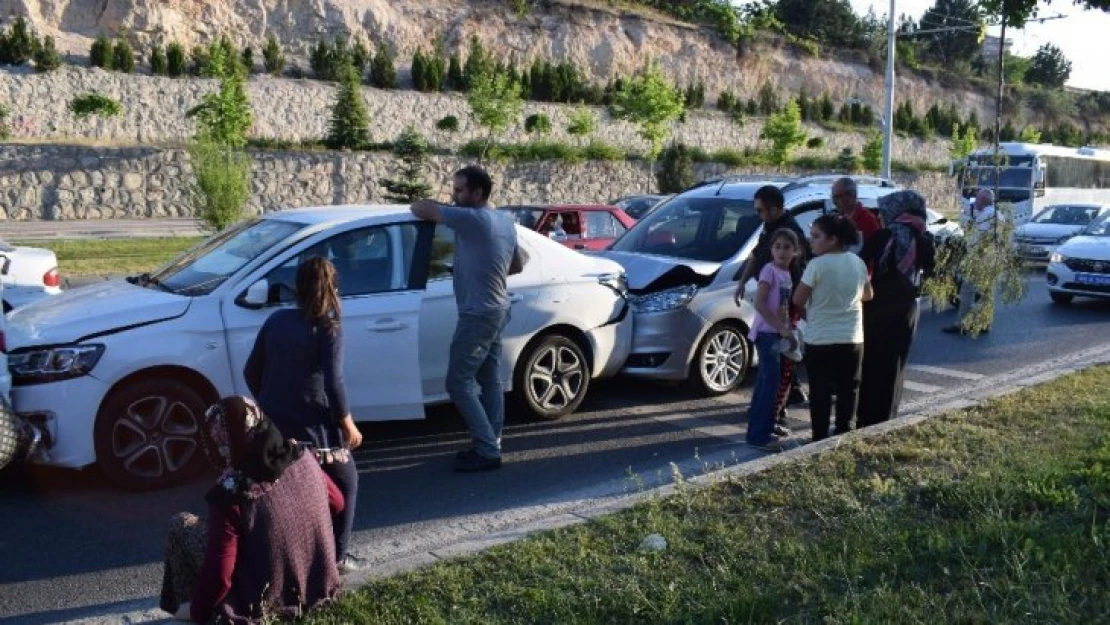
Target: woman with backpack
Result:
[[898, 257]]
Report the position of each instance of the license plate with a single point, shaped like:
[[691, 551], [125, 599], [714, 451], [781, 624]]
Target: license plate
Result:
[[1092, 279]]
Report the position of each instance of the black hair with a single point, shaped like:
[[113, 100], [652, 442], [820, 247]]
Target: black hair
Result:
[[840, 228], [771, 195], [792, 238], [477, 178]]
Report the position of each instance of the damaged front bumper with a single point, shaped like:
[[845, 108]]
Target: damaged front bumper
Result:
[[20, 439]]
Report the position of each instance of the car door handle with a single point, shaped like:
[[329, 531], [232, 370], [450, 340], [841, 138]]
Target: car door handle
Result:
[[386, 325], [515, 297]]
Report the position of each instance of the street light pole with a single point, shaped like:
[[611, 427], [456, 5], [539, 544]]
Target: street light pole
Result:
[[888, 96]]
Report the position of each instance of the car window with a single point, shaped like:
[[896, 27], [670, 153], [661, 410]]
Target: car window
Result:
[[808, 213], [1099, 227], [443, 253], [1067, 215], [603, 225], [561, 225], [696, 228], [526, 217], [365, 262]]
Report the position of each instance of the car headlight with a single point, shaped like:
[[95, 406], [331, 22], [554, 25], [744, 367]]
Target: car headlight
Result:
[[1057, 257], [50, 364], [663, 301]]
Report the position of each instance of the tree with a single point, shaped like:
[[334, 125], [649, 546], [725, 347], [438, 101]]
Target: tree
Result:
[[100, 54], [1049, 67], [954, 45], [873, 153], [676, 169], [175, 60], [419, 71], [412, 150], [583, 123], [650, 102], [158, 62], [832, 22], [224, 116], [478, 63], [247, 58], [768, 99], [537, 123], [963, 144], [827, 108], [360, 57], [123, 57], [272, 57], [455, 80], [784, 131], [383, 74], [495, 103], [46, 56], [1019, 11], [350, 123], [18, 45], [1029, 134]]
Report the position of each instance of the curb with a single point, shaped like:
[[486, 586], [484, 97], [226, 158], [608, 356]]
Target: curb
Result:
[[914, 413]]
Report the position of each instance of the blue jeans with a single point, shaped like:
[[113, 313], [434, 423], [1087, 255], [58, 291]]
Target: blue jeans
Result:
[[761, 412], [474, 378]]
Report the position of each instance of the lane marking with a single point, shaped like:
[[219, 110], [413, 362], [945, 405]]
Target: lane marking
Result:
[[949, 373], [921, 388]]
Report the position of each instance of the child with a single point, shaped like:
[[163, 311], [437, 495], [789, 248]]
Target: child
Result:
[[833, 289], [770, 328]]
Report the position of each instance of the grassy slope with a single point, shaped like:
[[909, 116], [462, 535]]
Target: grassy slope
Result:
[[80, 257]]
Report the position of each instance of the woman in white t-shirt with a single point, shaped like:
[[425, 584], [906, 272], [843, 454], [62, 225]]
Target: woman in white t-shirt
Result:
[[833, 289]]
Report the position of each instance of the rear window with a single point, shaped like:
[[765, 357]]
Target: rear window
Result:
[[708, 229]]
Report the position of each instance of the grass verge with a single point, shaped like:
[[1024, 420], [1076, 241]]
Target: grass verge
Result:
[[996, 514], [84, 257]]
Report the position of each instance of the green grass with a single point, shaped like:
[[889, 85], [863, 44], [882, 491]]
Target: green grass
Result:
[[997, 514], [84, 257]]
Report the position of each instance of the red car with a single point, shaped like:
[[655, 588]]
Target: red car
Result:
[[580, 227]]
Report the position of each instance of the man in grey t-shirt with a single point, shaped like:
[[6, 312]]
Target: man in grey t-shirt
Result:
[[485, 254]]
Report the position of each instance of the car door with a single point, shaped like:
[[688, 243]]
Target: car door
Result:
[[602, 228], [380, 298]]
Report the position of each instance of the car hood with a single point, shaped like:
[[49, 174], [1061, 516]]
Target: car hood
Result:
[[1047, 231], [647, 273], [95, 309], [1090, 248]]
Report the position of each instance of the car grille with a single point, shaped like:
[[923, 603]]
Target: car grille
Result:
[[1089, 288], [1036, 240], [1088, 266]]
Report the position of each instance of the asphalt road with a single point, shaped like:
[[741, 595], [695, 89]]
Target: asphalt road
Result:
[[73, 546]]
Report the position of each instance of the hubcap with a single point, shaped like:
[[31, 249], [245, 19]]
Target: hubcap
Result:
[[155, 437], [556, 378], [722, 361]]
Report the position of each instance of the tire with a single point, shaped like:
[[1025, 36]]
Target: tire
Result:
[[721, 361], [10, 434], [552, 378], [147, 434], [1061, 298]]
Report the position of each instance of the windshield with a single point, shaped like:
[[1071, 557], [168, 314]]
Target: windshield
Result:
[[1099, 227], [203, 268], [695, 228], [1011, 177], [1067, 215]]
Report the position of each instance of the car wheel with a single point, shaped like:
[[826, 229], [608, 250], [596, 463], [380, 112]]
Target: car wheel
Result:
[[10, 431], [552, 378], [1061, 298], [721, 361], [147, 434]]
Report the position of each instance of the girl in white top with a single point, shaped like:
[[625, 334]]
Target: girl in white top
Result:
[[833, 288]]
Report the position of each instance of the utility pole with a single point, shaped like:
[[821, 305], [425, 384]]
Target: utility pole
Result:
[[998, 114], [888, 96]]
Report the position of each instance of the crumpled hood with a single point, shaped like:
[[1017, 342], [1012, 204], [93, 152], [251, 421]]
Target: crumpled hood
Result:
[[1089, 248], [92, 309], [647, 273]]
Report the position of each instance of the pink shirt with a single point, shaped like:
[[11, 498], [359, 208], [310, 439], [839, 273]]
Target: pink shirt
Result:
[[778, 297]]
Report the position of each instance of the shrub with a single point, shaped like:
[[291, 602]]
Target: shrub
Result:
[[768, 100], [47, 57], [676, 169], [726, 102], [222, 184], [158, 63], [815, 143], [600, 151], [123, 57], [360, 57], [537, 123], [100, 54], [448, 124], [383, 75], [847, 161], [350, 123], [826, 107], [247, 58], [175, 60], [5, 128], [272, 57], [224, 116], [731, 157], [873, 153], [95, 103], [18, 45], [412, 150], [784, 130], [583, 122]]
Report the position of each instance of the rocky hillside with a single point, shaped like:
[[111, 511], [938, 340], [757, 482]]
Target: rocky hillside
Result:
[[602, 39]]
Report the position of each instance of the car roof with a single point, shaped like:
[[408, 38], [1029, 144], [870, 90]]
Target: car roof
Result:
[[315, 215], [744, 187], [584, 207]]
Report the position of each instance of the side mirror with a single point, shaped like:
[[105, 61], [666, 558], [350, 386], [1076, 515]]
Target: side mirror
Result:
[[5, 264], [257, 295]]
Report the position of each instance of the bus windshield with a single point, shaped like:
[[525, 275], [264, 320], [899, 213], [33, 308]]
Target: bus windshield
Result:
[[1010, 177]]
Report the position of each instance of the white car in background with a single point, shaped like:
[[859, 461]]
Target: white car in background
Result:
[[119, 373], [1081, 266], [1037, 239], [941, 227], [32, 273]]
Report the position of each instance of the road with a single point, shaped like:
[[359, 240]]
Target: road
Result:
[[73, 546]]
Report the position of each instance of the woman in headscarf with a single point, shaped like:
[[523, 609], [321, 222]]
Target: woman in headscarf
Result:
[[267, 548], [898, 257]]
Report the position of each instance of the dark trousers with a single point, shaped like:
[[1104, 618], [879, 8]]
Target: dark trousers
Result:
[[887, 337], [345, 476], [833, 370]]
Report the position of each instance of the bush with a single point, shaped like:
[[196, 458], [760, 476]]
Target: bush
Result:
[[158, 63], [100, 54], [123, 57], [815, 143], [726, 102], [350, 123], [768, 100], [412, 150], [383, 74], [676, 169], [600, 151], [95, 103], [448, 124], [537, 123], [18, 45], [175, 60], [5, 128], [47, 57], [847, 161], [247, 58], [272, 57], [873, 153], [222, 184], [731, 157]]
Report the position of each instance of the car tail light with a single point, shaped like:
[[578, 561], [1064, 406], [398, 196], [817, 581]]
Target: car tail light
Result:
[[52, 278]]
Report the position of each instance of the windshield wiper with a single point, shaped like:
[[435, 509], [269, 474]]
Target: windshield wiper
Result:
[[196, 287], [145, 280]]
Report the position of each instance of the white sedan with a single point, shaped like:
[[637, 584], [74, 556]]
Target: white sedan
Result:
[[28, 274], [118, 373], [1081, 266]]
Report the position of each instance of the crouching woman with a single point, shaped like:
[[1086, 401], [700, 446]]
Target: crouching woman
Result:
[[267, 548]]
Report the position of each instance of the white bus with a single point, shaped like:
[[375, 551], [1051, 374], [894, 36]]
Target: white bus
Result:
[[1034, 176]]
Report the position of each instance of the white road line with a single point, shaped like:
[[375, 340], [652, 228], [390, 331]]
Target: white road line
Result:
[[948, 373], [921, 388]]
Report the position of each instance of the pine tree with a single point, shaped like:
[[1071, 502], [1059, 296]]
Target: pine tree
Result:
[[158, 63], [350, 123], [411, 148], [827, 109], [123, 58], [419, 74], [247, 59], [46, 56], [100, 54], [455, 80], [272, 57], [383, 74], [477, 62], [175, 60], [360, 57]]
